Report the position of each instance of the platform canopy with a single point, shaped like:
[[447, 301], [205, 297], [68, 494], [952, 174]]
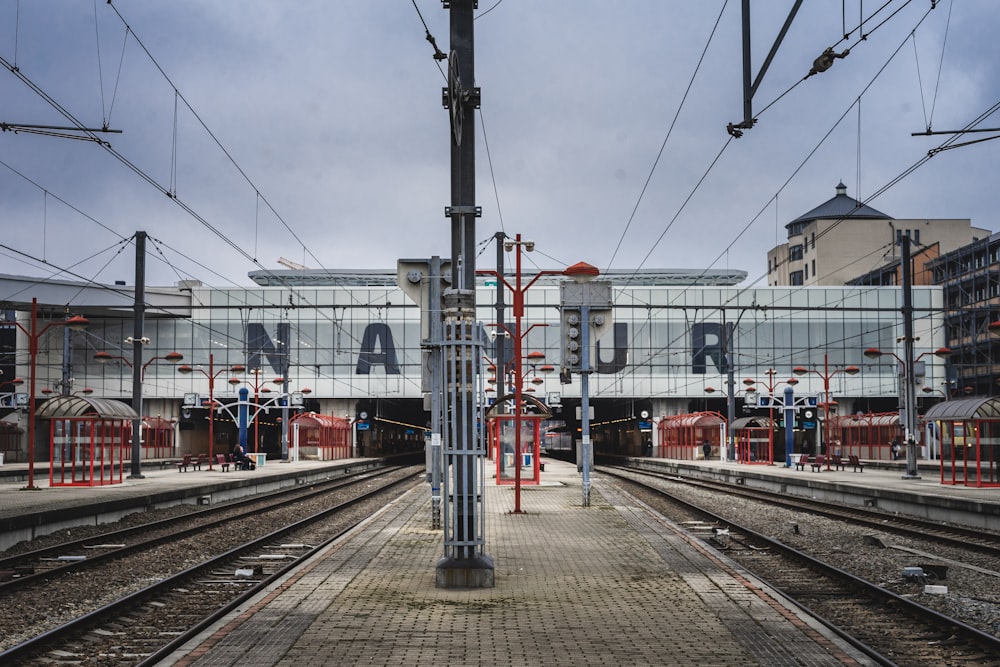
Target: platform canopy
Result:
[[976, 407], [78, 406]]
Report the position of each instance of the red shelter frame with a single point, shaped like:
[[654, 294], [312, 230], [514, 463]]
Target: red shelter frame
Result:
[[682, 436], [501, 446], [88, 451], [322, 437]]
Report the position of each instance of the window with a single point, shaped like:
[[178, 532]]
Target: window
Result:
[[795, 278], [795, 253]]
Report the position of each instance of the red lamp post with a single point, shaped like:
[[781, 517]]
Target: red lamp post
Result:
[[76, 323], [770, 385], [518, 290], [211, 375], [828, 402]]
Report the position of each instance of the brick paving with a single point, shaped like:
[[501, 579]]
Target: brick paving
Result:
[[608, 584]]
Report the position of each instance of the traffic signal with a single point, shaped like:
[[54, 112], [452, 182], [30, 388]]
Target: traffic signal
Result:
[[572, 339]]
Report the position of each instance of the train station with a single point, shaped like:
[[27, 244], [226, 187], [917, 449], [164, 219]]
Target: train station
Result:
[[600, 585]]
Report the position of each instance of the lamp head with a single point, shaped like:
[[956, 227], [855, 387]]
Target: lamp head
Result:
[[78, 323]]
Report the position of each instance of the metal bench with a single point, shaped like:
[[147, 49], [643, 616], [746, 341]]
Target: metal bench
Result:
[[223, 463], [818, 463], [182, 466], [856, 462], [801, 463]]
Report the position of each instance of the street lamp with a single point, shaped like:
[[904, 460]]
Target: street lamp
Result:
[[103, 357], [211, 375], [15, 383], [518, 291], [770, 385], [827, 400], [909, 402], [75, 323], [258, 389]]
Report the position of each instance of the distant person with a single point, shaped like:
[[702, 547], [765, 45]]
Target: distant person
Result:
[[894, 447], [707, 448], [243, 462]]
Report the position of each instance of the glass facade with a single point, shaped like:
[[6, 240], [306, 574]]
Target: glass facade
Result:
[[667, 343]]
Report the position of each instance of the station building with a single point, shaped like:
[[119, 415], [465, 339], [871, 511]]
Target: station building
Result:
[[348, 343]]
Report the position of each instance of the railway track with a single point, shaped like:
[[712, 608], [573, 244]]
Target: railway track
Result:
[[893, 629], [948, 534], [32, 568], [204, 576]]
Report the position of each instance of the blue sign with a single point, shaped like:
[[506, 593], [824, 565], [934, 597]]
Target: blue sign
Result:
[[363, 426]]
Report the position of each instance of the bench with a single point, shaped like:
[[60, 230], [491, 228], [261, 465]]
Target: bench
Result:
[[837, 462], [856, 462], [818, 463], [182, 466], [223, 463], [197, 464], [801, 463]]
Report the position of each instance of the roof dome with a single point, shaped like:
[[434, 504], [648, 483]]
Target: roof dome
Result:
[[841, 206]]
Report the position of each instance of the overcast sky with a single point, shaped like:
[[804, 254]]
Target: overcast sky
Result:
[[313, 130]]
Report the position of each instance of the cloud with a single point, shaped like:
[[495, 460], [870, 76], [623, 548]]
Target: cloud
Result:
[[315, 131]]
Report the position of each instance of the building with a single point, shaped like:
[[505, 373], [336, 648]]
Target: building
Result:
[[353, 340], [970, 280], [843, 238]]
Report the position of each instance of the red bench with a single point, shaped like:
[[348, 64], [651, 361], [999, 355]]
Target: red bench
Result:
[[818, 463], [223, 463], [801, 464]]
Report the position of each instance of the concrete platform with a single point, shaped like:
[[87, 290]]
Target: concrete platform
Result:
[[608, 584], [26, 514], [881, 485]]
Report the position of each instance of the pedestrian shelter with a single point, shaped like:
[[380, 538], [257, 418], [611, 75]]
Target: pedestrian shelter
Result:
[[10, 441], [682, 436], [321, 437], [89, 440], [516, 455], [969, 432], [867, 435], [157, 438], [754, 438]]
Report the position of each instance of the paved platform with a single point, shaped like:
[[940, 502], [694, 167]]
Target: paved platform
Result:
[[25, 514], [608, 584], [882, 485]]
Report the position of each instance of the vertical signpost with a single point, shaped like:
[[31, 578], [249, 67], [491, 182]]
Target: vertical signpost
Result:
[[586, 306]]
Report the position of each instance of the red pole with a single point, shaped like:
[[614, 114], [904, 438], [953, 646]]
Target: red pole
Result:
[[518, 312], [211, 408], [826, 408], [770, 411]]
